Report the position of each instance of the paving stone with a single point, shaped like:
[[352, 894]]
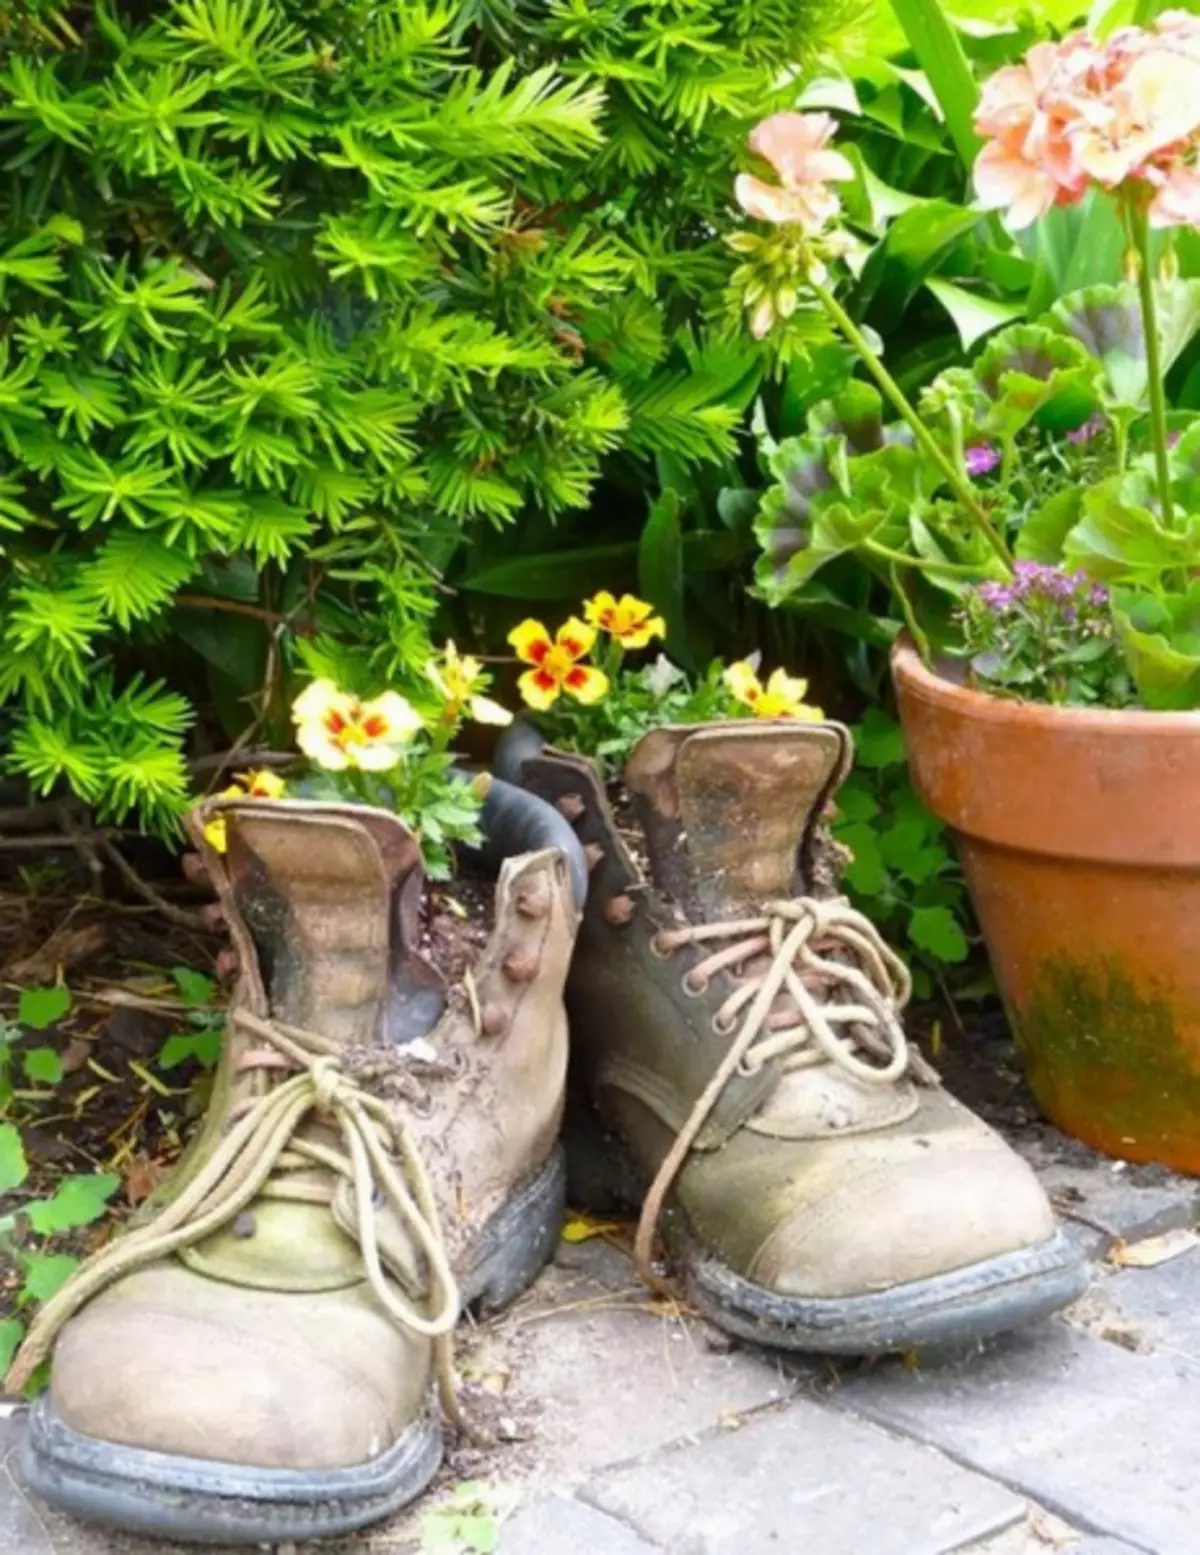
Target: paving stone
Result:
[[562, 1527], [1100, 1435], [1163, 1302], [609, 1377], [1103, 1201], [803, 1478]]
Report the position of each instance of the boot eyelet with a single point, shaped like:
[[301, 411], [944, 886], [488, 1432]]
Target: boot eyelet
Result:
[[723, 1028], [657, 949], [748, 1071], [691, 989]]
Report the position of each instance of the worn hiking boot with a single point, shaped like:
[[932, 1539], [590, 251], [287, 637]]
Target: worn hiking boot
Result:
[[256, 1361], [736, 1035]]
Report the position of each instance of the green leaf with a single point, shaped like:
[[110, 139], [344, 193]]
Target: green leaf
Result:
[[866, 872], [1107, 321], [77, 1201], [906, 848], [42, 1065], [911, 251], [1161, 638], [855, 801], [1074, 247], [1028, 366], [39, 1008], [660, 565], [878, 741], [46, 1273], [940, 55], [1119, 539], [13, 1167], [12, 1331], [1043, 535], [194, 988], [937, 932], [203, 1046], [974, 315]]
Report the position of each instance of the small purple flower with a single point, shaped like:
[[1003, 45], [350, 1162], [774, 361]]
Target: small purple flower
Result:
[[1173, 438], [1091, 428], [981, 459], [1099, 595]]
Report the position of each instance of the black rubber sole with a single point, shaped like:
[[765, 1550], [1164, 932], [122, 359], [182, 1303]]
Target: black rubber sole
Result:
[[961, 1306], [194, 1500]]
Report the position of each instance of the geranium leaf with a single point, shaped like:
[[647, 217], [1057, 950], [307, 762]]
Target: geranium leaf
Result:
[[1161, 638], [1107, 321], [1118, 538], [1044, 533]]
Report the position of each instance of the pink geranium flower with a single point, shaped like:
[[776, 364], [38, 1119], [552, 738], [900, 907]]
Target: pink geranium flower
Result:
[[795, 144], [1079, 113]]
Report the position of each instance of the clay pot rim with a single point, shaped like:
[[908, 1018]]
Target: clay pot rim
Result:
[[908, 664]]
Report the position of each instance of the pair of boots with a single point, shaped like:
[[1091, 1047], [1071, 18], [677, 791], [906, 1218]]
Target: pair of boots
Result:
[[261, 1359]]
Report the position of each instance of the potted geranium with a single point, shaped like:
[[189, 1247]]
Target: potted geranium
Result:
[[1037, 517]]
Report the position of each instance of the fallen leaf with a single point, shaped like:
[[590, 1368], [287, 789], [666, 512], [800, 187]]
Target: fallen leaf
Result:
[[1153, 1250], [581, 1228], [142, 1175], [66, 948]]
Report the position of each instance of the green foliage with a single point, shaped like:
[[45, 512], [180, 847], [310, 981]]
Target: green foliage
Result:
[[903, 873], [26, 1233], [206, 1022], [302, 297], [464, 1524]]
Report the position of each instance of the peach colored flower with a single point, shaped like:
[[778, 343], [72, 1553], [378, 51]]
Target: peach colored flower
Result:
[[795, 144], [1079, 113]]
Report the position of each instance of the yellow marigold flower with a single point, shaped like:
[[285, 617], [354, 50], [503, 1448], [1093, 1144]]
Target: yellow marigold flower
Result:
[[626, 620], [248, 785], [337, 730], [556, 666], [781, 697], [455, 678]]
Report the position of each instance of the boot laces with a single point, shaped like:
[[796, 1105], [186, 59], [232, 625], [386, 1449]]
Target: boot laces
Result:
[[819, 985], [378, 1156]]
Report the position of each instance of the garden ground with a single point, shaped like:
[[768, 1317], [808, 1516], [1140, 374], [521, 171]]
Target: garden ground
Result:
[[635, 1429]]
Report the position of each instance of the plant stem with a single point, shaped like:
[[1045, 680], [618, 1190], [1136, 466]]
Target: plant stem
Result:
[[1139, 231], [954, 479], [910, 617], [924, 563]]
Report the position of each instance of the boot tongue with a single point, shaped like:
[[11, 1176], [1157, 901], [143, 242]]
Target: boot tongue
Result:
[[727, 808], [331, 896]]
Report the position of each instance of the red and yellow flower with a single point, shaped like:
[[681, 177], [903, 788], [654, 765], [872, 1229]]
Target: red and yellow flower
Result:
[[781, 697], [628, 620], [338, 730], [556, 663], [247, 785]]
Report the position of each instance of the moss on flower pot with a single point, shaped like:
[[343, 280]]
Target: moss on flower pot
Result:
[[1079, 832]]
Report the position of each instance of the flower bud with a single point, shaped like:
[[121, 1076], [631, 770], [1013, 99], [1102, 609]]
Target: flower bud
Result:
[[1132, 265], [1168, 265]]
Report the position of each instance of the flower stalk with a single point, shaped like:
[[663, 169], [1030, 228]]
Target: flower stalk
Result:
[[954, 478], [1139, 231]]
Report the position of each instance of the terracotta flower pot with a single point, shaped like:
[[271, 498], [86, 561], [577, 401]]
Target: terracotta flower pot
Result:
[[1079, 833]]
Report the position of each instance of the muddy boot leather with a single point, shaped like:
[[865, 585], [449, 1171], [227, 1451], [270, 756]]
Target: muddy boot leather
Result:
[[273, 1378], [834, 1197]]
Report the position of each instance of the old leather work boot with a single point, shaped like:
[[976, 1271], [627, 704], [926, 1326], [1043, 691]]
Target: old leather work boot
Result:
[[736, 1034], [256, 1361]]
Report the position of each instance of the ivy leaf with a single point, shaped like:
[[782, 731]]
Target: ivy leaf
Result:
[[39, 1008], [77, 1201], [855, 801], [905, 848], [13, 1167], [878, 740], [936, 931], [865, 873], [194, 988], [46, 1273], [42, 1065]]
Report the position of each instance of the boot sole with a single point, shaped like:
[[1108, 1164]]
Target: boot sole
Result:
[[196, 1500], [963, 1305]]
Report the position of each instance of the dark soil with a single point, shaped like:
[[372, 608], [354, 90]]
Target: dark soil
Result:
[[458, 919]]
